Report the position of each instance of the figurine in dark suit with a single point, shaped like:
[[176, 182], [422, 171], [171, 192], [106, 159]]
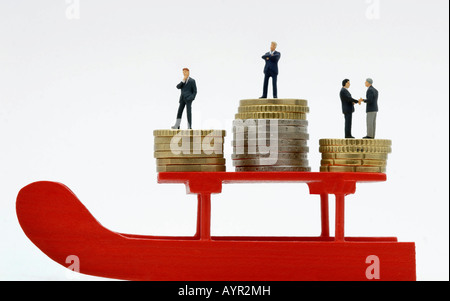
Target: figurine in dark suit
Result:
[[347, 107], [188, 92], [371, 109], [271, 70]]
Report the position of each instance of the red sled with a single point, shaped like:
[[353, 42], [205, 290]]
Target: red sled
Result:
[[55, 220]]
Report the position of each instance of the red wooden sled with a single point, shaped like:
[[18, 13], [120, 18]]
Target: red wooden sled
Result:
[[57, 223]]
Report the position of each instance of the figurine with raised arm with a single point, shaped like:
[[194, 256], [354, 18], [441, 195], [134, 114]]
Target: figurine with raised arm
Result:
[[347, 107], [271, 70], [188, 89], [371, 109]]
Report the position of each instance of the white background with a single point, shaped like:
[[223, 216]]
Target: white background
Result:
[[82, 91]]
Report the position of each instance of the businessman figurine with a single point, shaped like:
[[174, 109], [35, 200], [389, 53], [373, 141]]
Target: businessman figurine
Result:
[[271, 70], [188, 93], [347, 107], [371, 109]]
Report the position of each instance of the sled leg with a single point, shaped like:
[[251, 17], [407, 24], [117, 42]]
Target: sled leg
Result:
[[324, 215], [340, 210], [204, 216]]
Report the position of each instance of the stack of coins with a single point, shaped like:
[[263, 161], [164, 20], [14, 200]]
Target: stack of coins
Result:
[[271, 135], [189, 150], [354, 155]]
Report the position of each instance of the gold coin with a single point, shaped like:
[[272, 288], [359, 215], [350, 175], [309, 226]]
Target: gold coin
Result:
[[375, 156], [191, 161], [341, 168], [341, 162], [191, 133], [273, 101], [355, 149], [375, 163], [370, 169], [190, 168], [168, 155], [192, 147], [323, 168], [272, 115], [189, 139], [273, 108], [349, 156], [355, 142], [326, 156]]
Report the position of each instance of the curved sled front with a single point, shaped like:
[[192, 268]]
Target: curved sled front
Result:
[[54, 219]]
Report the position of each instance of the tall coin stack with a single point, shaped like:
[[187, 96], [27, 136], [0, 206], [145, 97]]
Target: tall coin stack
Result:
[[189, 150], [271, 135], [354, 155]]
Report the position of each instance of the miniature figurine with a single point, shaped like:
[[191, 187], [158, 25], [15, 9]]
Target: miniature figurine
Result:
[[371, 109], [347, 107], [271, 70], [188, 92]]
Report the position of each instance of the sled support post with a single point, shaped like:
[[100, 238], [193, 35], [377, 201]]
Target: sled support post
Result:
[[204, 216], [324, 215], [340, 210]]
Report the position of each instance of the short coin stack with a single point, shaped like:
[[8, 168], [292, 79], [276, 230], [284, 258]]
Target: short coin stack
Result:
[[271, 135], [189, 150], [354, 155]]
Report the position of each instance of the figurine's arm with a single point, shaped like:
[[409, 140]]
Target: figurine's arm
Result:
[[266, 56], [348, 97], [275, 57], [180, 85]]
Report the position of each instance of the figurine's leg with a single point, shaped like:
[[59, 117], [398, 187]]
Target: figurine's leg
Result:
[[340, 210], [204, 216], [180, 114], [266, 85], [189, 114], [324, 215], [274, 86]]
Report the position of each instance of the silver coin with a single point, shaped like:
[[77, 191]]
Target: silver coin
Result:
[[280, 142], [269, 135], [279, 156], [262, 162], [266, 149], [267, 122], [279, 129], [273, 169]]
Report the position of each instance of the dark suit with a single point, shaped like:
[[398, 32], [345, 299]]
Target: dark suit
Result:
[[188, 93], [271, 71], [371, 111], [347, 109], [371, 100]]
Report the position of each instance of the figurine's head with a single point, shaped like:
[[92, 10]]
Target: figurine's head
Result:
[[186, 72], [369, 82], [346, 83], [273, 46]]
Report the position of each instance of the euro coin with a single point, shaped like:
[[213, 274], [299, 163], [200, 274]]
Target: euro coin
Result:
[[262, 162], [270, 115], [274, 101], [273, 169], [170, 133], [190, 168], [355, 142], [267, 122], [191, 161], [273, 108]]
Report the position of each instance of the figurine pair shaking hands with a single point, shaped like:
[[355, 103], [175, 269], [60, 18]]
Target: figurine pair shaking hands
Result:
[[371, 110]]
